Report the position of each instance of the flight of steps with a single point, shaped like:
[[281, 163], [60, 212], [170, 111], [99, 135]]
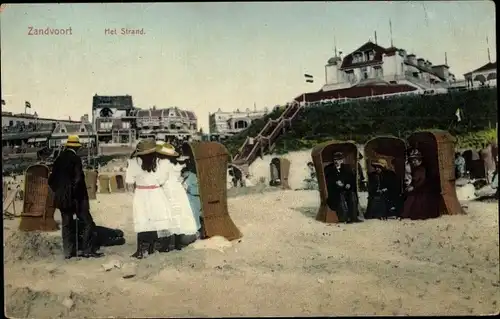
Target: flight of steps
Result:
[[266, 139]]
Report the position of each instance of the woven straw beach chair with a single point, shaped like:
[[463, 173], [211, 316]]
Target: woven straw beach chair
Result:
[[38, 205], [438, 151], [211, 161], [322, 156]]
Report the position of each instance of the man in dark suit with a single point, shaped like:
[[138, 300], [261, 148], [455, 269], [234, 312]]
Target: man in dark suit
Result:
[[67, 181], [341, 186]]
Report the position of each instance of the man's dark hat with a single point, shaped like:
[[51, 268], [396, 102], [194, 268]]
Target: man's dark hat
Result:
[[338, 155]]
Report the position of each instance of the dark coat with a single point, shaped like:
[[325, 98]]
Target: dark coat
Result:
[[380, 203], [336, 194], [423, 201], [67, 180]]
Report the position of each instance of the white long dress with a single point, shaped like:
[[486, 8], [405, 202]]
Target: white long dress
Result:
[[153, 211], [184, 221]]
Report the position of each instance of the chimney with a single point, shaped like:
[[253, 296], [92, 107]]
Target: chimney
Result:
[[376, 37], [412, 58], [421, 62]]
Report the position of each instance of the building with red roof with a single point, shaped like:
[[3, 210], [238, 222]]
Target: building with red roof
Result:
[[374, 71]]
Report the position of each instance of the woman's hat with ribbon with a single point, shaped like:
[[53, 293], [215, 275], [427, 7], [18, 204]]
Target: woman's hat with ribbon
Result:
[[166, 149], [379, 162], [145, 147]]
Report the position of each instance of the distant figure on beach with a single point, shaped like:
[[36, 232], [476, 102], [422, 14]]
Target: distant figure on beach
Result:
[[422, 202], [311, 182], [67, 181], [459, 165], [382, 191], [236, 176], [361, 174], [190, 183], [275, 179], [340, 180]]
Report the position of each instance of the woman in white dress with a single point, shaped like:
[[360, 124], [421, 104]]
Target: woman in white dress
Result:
[[185, 223]]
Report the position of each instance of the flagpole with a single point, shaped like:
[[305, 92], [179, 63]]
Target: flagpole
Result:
[[309, 79]]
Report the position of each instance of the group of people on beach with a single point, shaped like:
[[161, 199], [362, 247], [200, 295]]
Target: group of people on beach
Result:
[[417, 198], [166, 202]]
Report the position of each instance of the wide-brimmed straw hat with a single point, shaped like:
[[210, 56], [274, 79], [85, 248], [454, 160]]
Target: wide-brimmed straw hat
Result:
[[144, 147], [380, 162], [415, 153], [338, 156], [166, 149], [73, 140]]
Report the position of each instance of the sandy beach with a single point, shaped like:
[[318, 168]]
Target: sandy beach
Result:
[[286, 264]]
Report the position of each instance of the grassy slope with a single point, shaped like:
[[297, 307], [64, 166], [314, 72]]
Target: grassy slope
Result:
[[361, 121]]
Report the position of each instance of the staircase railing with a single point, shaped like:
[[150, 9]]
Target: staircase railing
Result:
[[266, 141]]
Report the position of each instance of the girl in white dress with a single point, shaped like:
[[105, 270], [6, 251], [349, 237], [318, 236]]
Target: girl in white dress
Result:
[[152, 209], [185, 223]]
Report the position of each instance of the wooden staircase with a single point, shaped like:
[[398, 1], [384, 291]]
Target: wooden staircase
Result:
[[266, 139]]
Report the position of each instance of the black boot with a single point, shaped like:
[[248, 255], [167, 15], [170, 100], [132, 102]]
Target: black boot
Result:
[[202, 229], [164, 244], [177, 242], [139, 253]]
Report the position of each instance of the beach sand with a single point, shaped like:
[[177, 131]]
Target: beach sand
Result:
[[287, 264]]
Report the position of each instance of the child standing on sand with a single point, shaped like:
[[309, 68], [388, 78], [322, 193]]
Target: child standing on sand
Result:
[[190, 183]]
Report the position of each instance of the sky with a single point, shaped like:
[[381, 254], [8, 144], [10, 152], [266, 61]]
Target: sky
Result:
[[206, 56]]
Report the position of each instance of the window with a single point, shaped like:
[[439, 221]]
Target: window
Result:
[[364, 73], [82, 130], [63, 130], [11, 123], [371, 55]]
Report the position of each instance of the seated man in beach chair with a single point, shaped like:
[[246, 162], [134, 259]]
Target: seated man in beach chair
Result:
[[341, 188]]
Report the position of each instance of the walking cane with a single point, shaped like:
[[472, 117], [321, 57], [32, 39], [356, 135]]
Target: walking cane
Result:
[[76, 236]]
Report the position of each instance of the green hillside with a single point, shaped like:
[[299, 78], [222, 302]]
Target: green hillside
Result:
[[362, 120]]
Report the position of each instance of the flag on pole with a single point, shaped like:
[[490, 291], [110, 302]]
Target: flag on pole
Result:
[[27, 105], [309, 78], [458, 115]]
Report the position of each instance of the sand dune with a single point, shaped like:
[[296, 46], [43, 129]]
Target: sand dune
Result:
[[286, 264]]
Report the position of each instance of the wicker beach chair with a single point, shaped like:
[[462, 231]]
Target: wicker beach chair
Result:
[[438, 151], [38, 204], [392, 150], [322, 156], [211, 161], [283, 168]]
